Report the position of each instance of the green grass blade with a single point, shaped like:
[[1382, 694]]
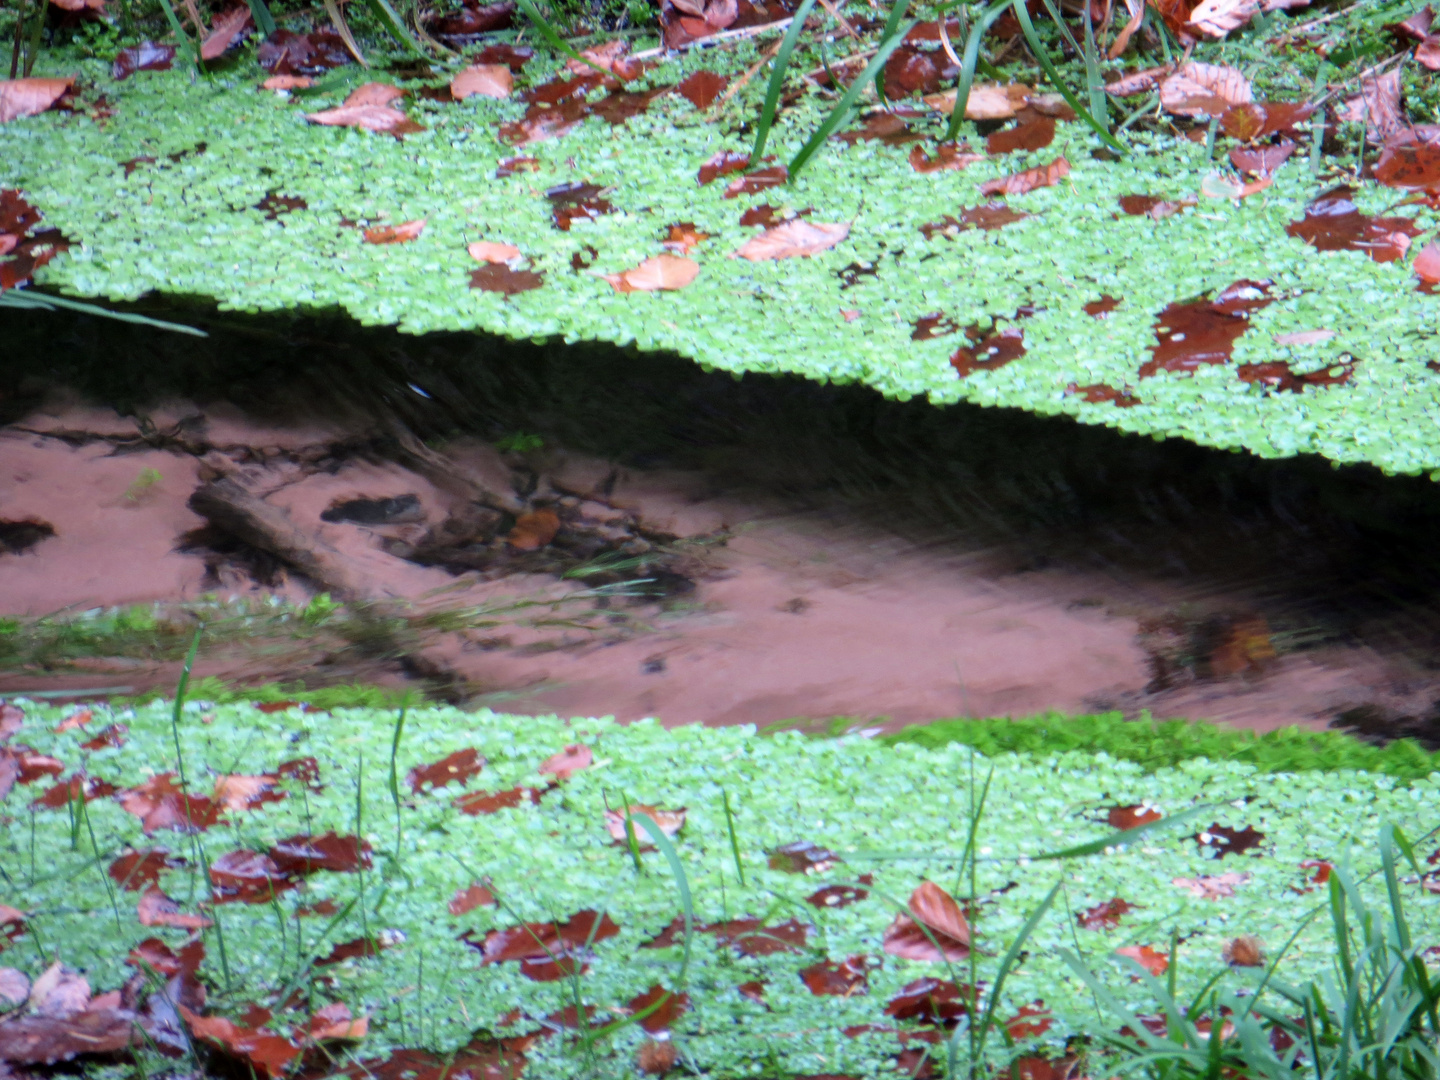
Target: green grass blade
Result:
[[841, 110], [777, 78], [1094, 80], [734, 841], [682, 883], [1007, 962], [264, 21], [1038, 48], [969, 59], [388, 17], [550, 34], [1124, 836], [1392, 887]]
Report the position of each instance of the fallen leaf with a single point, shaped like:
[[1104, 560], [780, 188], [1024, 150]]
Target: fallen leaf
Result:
[[267, 1053], [938, 1002], [843, 978], [247, 877], [1022, 182], [486, 802], [39, 1040], [1377, 106], [79, 786], [1216, 186], [1153, 962], [1314, 337], [659, 272], [12, 717], [752, 938], [1204, 90], [246, 792], [838, 896], [1212, 887], [672, 1006], [468, 899], [802, 857], [1261, 161], [722, 164], [513, 165], [656, 1056], [59, 993], [759, 180], [670, 822], [1216, 18], [485, 80], [29, 97], [947, 156], [1104, 916], [152, 954], [305, 854], [793, 239], [354, 949], [288, 53], [609, 56], [137, 870], [112, 735], [79, 719], [374, 93], [14, 987], [1333, 222], [1138, 82], [1426, 267], [701, 88], [1030, 1022], [226, 29], [682, 237], [987, 101], [1224, 840], [157, 909], [1244, 951], [534, 530], [1427, 53], [395, 234], [567, 762], [381, 118], [288, 82], [932, 908], [147, 56], [160, 804], [334, 1022], [499, 278], [1133, 815], [1034, 134]]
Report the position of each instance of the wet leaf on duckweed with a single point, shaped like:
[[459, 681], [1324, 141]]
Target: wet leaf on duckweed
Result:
[[751, 937], [567, 762], [839, 978], [307, 854], [137, 870], [146, 56], [947, 156], [260, 1049], [246, 792], [1152, 961], [1258, 119], [1152, 206], [1104, 916], [1131, 816], [1022, 182], [657, 273], [759, 180], [1032, 1021], [1244, 951], [468, 899], [374, 93], [1204, 90], [112, 735], [670, 822], [838, 896], [793, 239], [936, 1002], [701, 88], [1212, 886], [882, 127], [722, 164], [486, 80], [157, 909], [228, 28], [357, 949], [1261, 160], [30, 97], [247, 877], [511, 166], [78, 786], [673, 1006], [160, 804], [1277, 375], [1223, 840], [1200, 332], [488, 802], [929, 327], [802, 857], [1103, 393], [458, 767], [288, 53], [377, 118], [152, 954], [934, 909], [1033, 134]]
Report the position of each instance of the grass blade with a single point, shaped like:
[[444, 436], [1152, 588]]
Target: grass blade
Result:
[[1038, 48], [841, 110], [396, 25], [734, 841], [1124, 836], [777, 77], [550, 34], [337, 20], [264, 21], [682, 883], [394, 753], [969, 60], [1007, 962]]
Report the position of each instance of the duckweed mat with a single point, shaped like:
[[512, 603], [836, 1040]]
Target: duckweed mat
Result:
[[219, 189], [339, 859]]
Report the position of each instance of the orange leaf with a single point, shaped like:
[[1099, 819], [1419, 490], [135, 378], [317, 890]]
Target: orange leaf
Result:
[[466, 900], [374, 93], [267, 1053], [659, 272], [395, 234], [1204, 90], [489, 251], [534, 530], [568, 762], [288, 82], [1152, 961], [335, 1022], [224, 31], [27, 97], [793, 239], [670, 822], [486, 80], [1029, 180], [1427, 263], [157, 909], [245, 792], [381, 118], [932, 908]]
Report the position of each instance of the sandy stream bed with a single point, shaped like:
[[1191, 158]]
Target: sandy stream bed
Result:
[[774, 613]]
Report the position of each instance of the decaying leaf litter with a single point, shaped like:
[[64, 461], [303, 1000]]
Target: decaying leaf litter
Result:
[[1273, 143], [282, 913]]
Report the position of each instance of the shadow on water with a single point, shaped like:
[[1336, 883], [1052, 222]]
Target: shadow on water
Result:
[[1333, 555]]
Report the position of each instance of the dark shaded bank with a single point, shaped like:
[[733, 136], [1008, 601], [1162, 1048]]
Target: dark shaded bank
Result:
[[1330, 554]]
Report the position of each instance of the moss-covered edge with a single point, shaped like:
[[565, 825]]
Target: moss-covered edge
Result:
[[1152, 744]]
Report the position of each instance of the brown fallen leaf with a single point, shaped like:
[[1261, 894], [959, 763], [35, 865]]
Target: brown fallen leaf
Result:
[[1315, 337], [934, 910], [1216, 18], [157, 909], [490, 251], [59, 993], [380, 118], [225, 30], [1148, 958], [374, 93], [1204, 90], [793, 239], [1427, 264], [334, 1022], [267, 1053], [1212, 886], [486, 80], [288, 82], [987, 101], [245, 792], [1377, 106], [656, 1057], [1427, 53], [1244, 951], [1136, 11], [947, 156], [28, 97], [1138, 82], [534, 530], [657, 273], [79, 5], [670, 822], [568, 761], [14, 987], [466, 900], [1216, 186], [682, 237], [1022, 182], [395, 234]]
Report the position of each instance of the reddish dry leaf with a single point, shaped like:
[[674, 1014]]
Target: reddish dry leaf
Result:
[[458, 767], [499, 278], [287, 53], [1133, 815], [1217, 186], [485, 802], [1426, 265], [802, 857], [1104, 916], [672, 1006], [1257, 120], [353, 950], [657, 273], [32, 766], [936, 1002], [722, 164], [147, 56], [78, 786], [334, 1023], [838, 896], [226, 29], [79, 719], [1029, 180], [112, 735], [947, 156], [656, 1057], [306, 854], [1150, 206], [381, 118], [1377, 106], [395, 234], [29, 97], [38, 1040], [1223, 840], [1427, 54], [305, 771], [511, 166], [568, 762], [287, 82], [759, 180], [1033, 134], [670, 822], [843, 978], [157, 909], [1409, 164], [1138, 82], [1261, 160], [246, 792], [15, 216], [987, 101], [485, 80], [684, 236], [152, 954], [159, 804], [247, 877], [1204, 90], [935, 910], [374, 93], [751, 938], [534, 530], [701, 88], [608, 56], [754, 990], [59, 993], [1152, 961], [1216, 18], [1030, 1022], [793, 239], [468, 899], [136, 870], [267, 1053], [1244, 951]]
